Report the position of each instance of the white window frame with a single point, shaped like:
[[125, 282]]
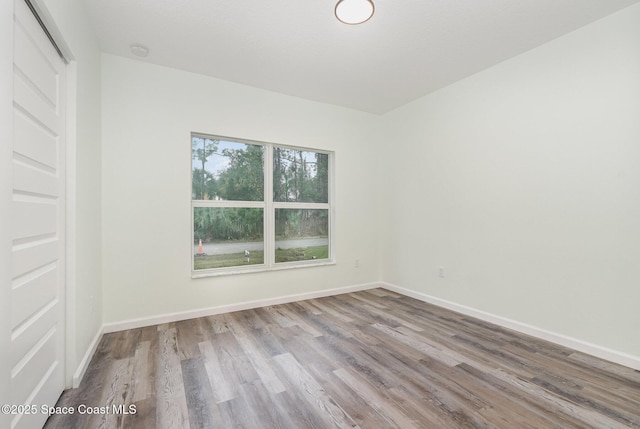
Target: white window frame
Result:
[[269, 209]]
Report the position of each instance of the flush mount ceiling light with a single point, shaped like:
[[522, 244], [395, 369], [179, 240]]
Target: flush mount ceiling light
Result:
[[354, 11], [139, 50]]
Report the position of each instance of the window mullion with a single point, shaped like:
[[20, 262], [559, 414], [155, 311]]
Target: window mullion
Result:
[[269, 211], [302, 206], [226, 203]]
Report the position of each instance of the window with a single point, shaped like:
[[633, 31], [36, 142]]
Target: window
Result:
[[258, 206]]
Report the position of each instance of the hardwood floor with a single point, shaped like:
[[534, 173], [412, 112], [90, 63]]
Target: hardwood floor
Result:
[[371, 359]]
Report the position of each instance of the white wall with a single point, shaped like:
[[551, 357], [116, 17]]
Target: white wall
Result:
[[6, 168], [84, 276], [523, 182], [148, 115]]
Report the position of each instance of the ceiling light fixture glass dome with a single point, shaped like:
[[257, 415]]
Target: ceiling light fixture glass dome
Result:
[[354, 11]]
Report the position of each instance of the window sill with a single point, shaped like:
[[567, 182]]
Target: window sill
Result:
[[260, 268]]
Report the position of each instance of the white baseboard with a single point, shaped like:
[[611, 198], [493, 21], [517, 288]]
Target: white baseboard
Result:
[[210, 311], [563, 340], [84, 364]]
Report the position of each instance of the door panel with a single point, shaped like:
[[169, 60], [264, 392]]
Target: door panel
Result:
[[29, 258], [34, 367], [38, 209], [33, 141], [36, 330], [39, 68], [33, 219], [39, 109], [38, 290]]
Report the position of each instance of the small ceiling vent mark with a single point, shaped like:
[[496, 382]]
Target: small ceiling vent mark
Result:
[[139, 50]]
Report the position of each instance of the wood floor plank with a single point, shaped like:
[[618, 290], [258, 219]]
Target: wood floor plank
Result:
[[313, 392], [291, 406], [263, 407], [171, 407], [367, 300], [559, 404], [290, 311], [217, 324], [222, 383], [329, 325], [376, 400], [306, 349], [233, 361], [142, 377], [271, 337], [444, 356], [201, 406], [327, 309], [114, 393], [124, 343], [534, 412], [378, 292], [308, 305], [369, 359], [385, 317], [189, 333], [278, 314], [257, 359], [144, 417], [353, 404]]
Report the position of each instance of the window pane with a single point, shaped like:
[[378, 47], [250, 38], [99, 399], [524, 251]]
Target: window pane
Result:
[[227, 237], [301, 235], [226, 170], [300, 176]]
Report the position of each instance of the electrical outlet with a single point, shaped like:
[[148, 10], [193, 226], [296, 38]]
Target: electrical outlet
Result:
[[441, 272], [357, 263]]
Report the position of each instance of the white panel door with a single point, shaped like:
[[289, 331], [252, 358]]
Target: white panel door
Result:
[[38, 206]]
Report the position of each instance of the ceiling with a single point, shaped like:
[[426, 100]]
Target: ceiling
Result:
[[297, 47]]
